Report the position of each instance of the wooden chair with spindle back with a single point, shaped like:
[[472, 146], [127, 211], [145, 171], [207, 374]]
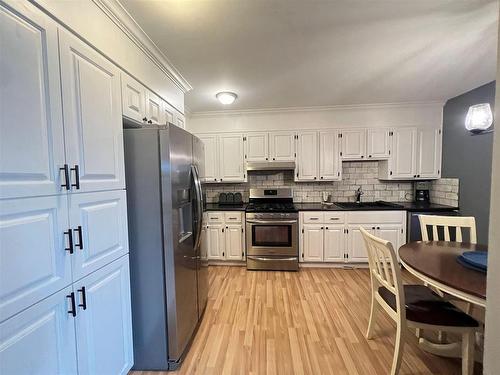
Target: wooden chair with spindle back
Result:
[[414, 306], [447, 222]]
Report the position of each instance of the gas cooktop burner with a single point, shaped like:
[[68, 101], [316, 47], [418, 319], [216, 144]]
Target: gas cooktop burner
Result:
[[271, 207]]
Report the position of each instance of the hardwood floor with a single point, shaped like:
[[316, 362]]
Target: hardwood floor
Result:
[[309, 322]]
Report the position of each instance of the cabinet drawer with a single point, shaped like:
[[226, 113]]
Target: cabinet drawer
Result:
[[376, 217], [215, 217], [313, 217], [334, 217], [232, 217]]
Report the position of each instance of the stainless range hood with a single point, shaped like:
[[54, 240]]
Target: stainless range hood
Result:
[[270, 165]]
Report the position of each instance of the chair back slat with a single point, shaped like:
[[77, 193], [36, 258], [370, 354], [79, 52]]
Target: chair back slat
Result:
[[384, 267], [447, 222]]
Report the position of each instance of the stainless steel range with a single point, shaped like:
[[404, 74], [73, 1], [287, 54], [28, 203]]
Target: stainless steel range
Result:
[[272, 230]]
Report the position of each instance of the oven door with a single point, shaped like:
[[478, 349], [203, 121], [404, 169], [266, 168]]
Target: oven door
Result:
[[272, 237]]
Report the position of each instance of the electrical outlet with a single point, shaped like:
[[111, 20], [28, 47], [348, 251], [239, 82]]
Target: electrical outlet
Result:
[[402, 196]]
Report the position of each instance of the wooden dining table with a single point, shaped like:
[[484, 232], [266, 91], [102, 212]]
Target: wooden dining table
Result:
[[435, 263]]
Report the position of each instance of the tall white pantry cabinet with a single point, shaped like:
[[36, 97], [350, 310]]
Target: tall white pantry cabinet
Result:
[[64, 271]]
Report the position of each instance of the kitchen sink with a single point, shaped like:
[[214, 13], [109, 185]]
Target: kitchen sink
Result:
[[378, 204]]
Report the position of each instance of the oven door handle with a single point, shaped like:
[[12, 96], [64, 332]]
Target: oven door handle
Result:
[[272, 221], [271, 259]]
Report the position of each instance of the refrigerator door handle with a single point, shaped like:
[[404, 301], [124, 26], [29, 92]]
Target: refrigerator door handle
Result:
[[199, 201]]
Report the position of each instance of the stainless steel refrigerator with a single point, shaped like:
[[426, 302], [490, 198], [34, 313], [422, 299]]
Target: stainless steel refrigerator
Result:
[[168, 272]]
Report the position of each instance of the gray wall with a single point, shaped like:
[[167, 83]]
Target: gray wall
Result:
[[469, 157]]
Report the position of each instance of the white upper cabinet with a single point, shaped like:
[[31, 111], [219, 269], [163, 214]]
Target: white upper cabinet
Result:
[[330, 166], [154, 109], [429, 153], [104, 320], [133, 98], [377, 144], [180, 120], [40, 339], [257, 147], [231, 163], [168, 112], [34, 262], [353, 144], [307, 156], [92, 116], [31, 126], [404, 148], [211, 160], [100, 234], [282, 146]]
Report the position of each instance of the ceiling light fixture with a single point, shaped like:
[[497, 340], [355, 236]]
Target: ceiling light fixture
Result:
[[479, 118], [226, 97]]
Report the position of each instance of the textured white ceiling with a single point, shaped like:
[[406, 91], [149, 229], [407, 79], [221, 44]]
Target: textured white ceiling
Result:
[[289, 53]]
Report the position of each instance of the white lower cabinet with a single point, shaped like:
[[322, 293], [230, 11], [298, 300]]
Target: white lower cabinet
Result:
[[40, 339], [313, 243], [104, 320], [225, 235], [336, 236]]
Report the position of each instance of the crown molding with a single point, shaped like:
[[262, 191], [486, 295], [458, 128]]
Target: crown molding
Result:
[[120, 17], [315, 108]]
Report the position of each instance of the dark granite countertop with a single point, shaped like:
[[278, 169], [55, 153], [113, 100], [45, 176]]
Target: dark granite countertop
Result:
[[405, 206]]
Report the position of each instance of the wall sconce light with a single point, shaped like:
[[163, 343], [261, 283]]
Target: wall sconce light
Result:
[[479, 119]]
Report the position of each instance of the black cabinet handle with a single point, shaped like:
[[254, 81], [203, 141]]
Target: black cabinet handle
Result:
[[66, 177], [418, 175], [374, 228], [267, 158], [215, 179], [369, 156], [83, 305], [76, 169], [314, 177], [362, 156], [321, 177], [274, 158], [72, 311], [80, 237], [70, 241], [378, 227]]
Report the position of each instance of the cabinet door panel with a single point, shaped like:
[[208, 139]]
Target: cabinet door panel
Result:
[[356, 245], [234, 242], [211, 160], [231, 163], [33, 260], [257, 147], [429, 153], [92, 115], [180, 120], [154, 110], [41, 339], [168, 112], [391, 233], [334, 248], [282, 146], [353, 144], [103, 220], [307, 159], [133, 98], [104, 328], [330, 167], [404, 153], [215, 241], [31, 126], [377, 144], [313, 243]]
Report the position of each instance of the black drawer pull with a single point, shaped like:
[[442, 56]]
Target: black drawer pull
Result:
[[83, 305], [66, 177], [70, 241], [80, 237], [77, 177], [72, 311]]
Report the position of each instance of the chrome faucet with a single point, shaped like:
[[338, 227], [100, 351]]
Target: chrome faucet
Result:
[[359, 193]]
